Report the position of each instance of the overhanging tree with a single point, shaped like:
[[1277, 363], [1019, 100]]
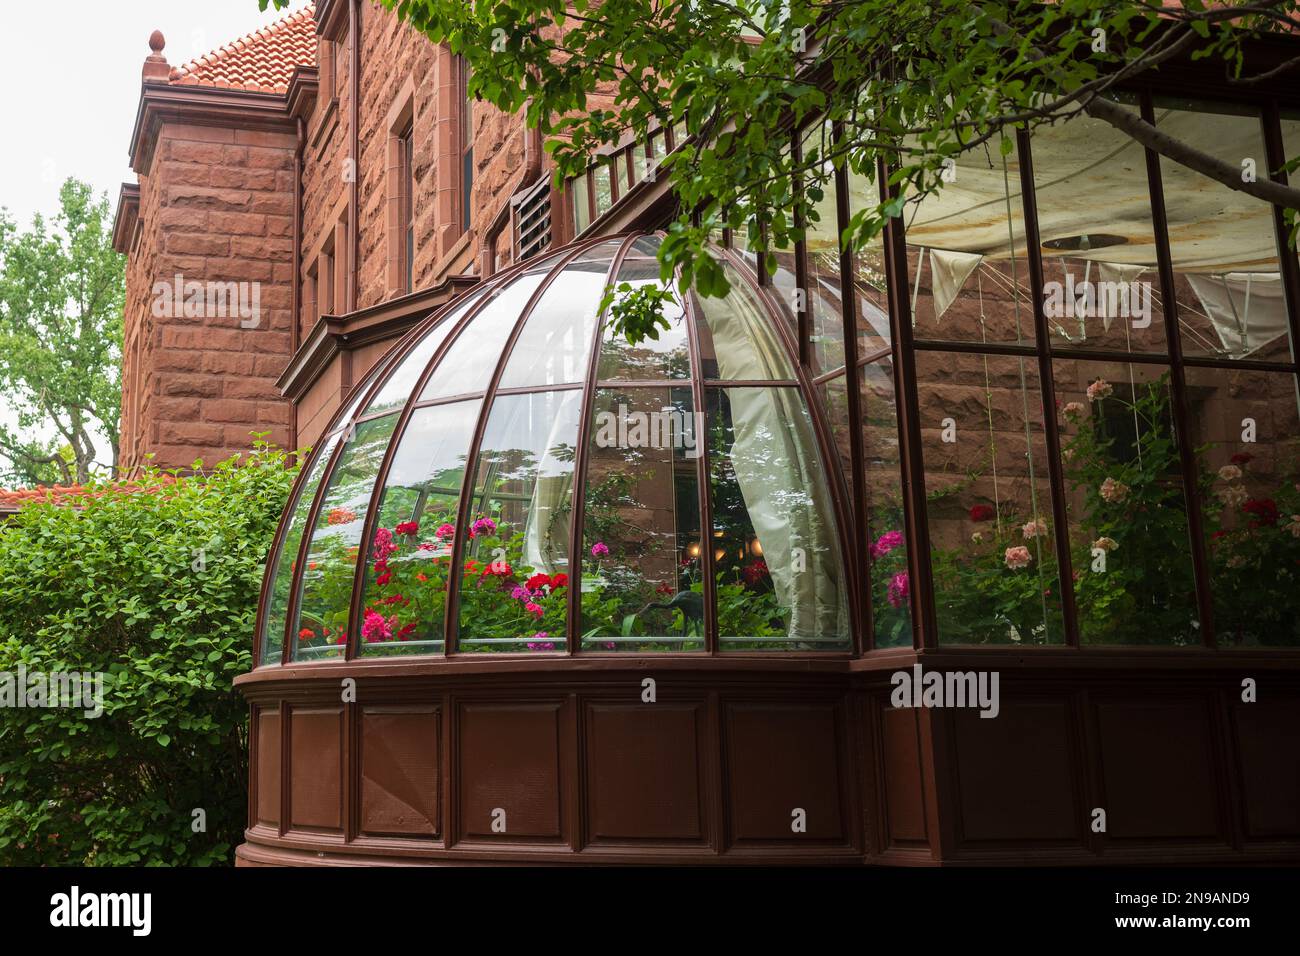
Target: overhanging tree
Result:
[[61, 293], [910, 85]]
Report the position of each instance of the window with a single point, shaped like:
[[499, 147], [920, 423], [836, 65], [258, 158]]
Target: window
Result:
[[466, 137]]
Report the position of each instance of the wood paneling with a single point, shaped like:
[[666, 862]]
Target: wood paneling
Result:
[[782, 758], [1016, 774], [399, 771], [1158, 769], [509, 760], [268, 765], [316, 765], [903, 791], [643, 772], [1267, 736]]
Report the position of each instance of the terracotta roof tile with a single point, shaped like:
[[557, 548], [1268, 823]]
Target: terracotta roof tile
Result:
[[70, 494], [261, 62]]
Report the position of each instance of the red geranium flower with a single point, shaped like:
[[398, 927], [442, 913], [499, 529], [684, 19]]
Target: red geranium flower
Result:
[[559, 581], [539, 580], [981, 513], [753, 573], [500, 569], [306, 634], [1242, 458], [408, 527], [1263, 509]]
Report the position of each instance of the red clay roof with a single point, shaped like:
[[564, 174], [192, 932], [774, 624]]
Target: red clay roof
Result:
[[70, 494], [262, 61]]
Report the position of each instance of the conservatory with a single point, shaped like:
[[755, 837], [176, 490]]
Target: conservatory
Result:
[[542, 595]]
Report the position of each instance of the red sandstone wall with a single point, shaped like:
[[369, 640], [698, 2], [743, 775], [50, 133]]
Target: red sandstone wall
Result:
[[215, 206]]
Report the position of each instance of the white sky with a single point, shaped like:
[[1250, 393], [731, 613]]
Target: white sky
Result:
[[70, 85]]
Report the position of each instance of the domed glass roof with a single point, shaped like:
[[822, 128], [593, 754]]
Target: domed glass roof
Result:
[[513, 477]]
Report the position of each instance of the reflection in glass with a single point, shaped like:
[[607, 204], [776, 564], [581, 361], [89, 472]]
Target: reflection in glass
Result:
[[891, 585], [393, 393], [641, 583], [1222, 242], [780, 575], [285, 560], [519, 525], [990, 514], [468, 364], [1129, 542], [554, 346], [405, 598], [738, 341], [1102, 287], [657, 359], [1246, 430], [326, 590], [968, 278]]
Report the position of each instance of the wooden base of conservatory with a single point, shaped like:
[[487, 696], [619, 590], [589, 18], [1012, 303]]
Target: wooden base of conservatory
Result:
[[775, 761]]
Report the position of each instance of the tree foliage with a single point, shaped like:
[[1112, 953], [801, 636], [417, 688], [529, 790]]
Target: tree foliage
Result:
[[155, 587], [62, 288], [908, 83]]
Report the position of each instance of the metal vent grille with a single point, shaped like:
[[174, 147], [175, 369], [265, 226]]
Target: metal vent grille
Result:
[[532, 220]]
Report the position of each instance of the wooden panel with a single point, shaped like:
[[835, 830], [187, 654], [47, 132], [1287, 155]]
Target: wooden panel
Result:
[[783, 757], [904, 791], [1015, 776], [316, 757], [643, 771], [509, 760], [268, 765], [1158, 769], [399, 771], [1268, 742]]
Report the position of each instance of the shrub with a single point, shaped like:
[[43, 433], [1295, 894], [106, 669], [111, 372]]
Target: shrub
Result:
[[157, 590]]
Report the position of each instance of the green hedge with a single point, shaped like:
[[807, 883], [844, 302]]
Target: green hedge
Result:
[[157, 590]]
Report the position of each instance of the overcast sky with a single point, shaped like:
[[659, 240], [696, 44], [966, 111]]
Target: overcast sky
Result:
[[70, 73]]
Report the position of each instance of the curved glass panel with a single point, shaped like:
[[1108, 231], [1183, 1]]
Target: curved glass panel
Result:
[[738, 339], [780, 573], [285, 559], [641, 584], [326, 590], [514, 573], [468, 365], [405, 600], [394, 392], [554, 346], [652, 360]]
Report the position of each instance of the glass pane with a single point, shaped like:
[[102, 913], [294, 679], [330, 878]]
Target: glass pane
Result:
[[666, 357], [467, 366], [519, 523], [581, 211], [641, 585], [891, 587], [326, 595], [738, 340], [1246, 430], [554, 347], [1102, 287], [1129, 543], [1224, 250], [600, 174], [394, 393], [968, 277], [405, 600], [825, 295], [780, 575], [874, 333], [989, 500], [285, 560]]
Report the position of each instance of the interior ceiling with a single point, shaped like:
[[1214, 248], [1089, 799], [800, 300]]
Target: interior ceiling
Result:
[[1091, 179]]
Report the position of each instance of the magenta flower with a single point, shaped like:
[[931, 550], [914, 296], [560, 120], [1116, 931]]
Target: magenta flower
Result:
[[900, 588], [375, 627], [445, 531], [384, 544], [532, 608], [885, 543], [482, 526], [599, 549], [538, 643]]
